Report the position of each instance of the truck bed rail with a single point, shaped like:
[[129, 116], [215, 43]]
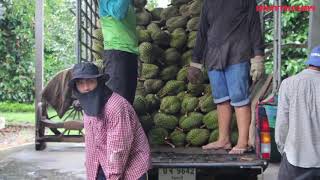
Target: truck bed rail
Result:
[[194, 157]]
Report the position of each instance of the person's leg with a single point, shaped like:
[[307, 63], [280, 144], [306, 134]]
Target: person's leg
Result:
[[131, 76], [122, 68], [284, 170], [237, 77], [288, 171], [143, 177], [100, 174], [243, 115], [224, 109], [316, 173]]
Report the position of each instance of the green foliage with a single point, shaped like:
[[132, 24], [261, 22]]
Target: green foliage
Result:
[[294, 39], [16, 107], [16, 49], [18, 117], [17, 70], [289, 67], [60, 36], [152, 4]]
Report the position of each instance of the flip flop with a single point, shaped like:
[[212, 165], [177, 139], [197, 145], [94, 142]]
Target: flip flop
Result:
[[236, 150], [225, 147]]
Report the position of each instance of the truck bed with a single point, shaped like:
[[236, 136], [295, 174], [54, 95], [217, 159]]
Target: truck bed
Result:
[[195, 157]]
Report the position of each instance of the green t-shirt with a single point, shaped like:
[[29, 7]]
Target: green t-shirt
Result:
[[120, 34]]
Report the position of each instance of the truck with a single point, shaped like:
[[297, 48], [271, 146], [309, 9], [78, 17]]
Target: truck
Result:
[[179, 163]]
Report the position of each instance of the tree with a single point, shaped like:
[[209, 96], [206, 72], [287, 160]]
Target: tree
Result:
[[16, 49], [17, 45], [294, 39], [152, 4]]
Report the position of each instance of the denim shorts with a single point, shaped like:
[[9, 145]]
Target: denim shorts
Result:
[[231, 84]]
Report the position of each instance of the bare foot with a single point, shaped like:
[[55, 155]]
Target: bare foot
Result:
[[218, 145]]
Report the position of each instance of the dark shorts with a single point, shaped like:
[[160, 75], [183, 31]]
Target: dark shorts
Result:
[[290, 172], [231, 84], [122, 67], [101, 176]]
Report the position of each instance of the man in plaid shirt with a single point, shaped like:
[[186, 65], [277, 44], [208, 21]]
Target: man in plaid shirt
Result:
[[116, 145]]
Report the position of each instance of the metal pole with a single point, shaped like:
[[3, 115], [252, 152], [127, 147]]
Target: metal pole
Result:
[[78, 34], [314, 25], [39, 32], [277, 48]]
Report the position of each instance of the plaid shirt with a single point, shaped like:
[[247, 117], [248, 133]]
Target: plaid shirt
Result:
[[117, 142]]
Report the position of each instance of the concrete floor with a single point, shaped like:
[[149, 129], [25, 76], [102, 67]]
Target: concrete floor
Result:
[[59, 161]]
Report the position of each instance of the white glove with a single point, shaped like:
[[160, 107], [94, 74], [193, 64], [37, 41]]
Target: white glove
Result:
[[257, 68]]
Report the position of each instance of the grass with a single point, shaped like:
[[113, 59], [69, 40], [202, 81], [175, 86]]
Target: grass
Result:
[[20, 113], [19, 117], [25, 117], [28, 118], [16, 107]]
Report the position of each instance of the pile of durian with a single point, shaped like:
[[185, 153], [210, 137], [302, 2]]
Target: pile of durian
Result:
[[172, 111]]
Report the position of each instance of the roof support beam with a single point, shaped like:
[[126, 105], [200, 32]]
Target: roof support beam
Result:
[[314, 25], [39, 33], [277, 48]]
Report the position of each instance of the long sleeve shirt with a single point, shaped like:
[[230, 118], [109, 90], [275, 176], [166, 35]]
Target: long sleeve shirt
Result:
[[229, 33], [297, 131], [117, 142]]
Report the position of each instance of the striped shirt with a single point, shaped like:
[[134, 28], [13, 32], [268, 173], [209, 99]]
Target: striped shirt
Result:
[[117, 142], [297, 131]]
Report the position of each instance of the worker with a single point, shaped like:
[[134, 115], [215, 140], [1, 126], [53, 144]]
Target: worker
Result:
[[230, 46], [298, 123], [116, 145], [118, 23]]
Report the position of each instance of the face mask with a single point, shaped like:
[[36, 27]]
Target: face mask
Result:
[[94, 101]]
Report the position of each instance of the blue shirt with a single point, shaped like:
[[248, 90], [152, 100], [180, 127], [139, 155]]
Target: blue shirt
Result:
[[115, 8]]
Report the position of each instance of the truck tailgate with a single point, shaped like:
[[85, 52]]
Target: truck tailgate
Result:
[[197, 158]]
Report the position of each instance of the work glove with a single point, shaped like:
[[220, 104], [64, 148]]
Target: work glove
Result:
[[194, 73], [257, 68]]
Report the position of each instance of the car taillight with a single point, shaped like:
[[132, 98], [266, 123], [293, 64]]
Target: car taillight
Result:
[[265, 138], [265, 125]]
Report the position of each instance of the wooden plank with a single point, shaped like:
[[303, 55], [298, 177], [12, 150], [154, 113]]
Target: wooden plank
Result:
[[51, 124], [66, 138]]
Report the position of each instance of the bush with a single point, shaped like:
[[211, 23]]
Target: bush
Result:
[[17, 68], [16, 107]]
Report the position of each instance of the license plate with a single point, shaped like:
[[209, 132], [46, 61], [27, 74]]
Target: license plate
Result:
[[177, 174]]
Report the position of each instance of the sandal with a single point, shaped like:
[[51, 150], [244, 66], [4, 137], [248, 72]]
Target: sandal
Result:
[[215, 147], [236, 150]]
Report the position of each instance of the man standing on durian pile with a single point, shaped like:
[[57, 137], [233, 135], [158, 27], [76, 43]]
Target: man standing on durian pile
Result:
[[118, 23], [230, 45]]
